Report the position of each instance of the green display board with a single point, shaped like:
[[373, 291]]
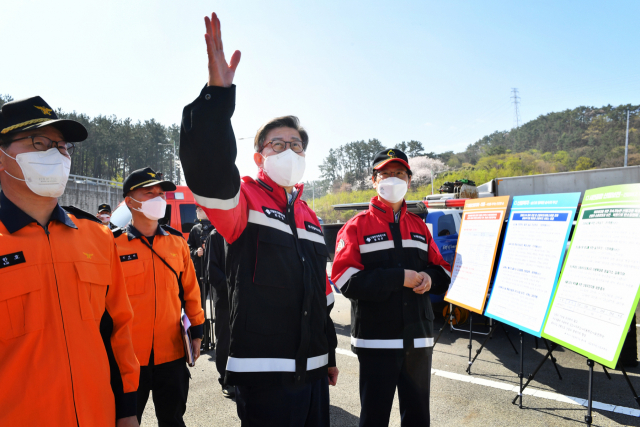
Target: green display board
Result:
[[599, 286]]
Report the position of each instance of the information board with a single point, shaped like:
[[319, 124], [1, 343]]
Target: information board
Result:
[[531, 259], [599, 285], [478, 239]]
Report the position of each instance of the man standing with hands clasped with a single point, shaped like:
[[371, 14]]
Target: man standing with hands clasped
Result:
[[387, 263], [282, 351], [161, 282]]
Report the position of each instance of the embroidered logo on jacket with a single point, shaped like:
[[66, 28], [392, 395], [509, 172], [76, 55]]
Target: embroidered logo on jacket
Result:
[[272, 213], [374, 238], [340, 245], [419, 237], [11, 259], [313, 228], [130, 257]]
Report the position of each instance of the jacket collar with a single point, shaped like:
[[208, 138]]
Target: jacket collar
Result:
[[385, 212], [15, 218], [277, 193], [133, 233]]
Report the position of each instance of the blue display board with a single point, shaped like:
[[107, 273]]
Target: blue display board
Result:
[[531, 259]]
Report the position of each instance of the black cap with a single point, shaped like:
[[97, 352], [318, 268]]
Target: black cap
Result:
[[390, 155], [145, 177], [104, 207], [34, 113]]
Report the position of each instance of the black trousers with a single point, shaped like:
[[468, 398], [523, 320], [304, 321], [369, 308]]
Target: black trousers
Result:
[[169, 383], [284, 406], [222, 330], [381, 371]]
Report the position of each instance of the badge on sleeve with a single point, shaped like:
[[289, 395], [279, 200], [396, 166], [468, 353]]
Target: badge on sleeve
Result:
[[341, 245]]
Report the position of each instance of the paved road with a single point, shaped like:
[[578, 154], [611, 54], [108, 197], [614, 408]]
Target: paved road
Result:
[[454, 400]]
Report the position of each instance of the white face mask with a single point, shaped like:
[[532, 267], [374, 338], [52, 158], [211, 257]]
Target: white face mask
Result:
[[285, 169], [45, 172], [392, 189], [153, 209], [105, 218], [201, 215]]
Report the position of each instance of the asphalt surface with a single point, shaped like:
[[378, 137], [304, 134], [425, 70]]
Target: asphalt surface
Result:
[[454, 400]]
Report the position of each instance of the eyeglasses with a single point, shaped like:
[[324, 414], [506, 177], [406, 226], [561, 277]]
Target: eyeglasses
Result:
[[278, 145], [42, 143], [398, 174]]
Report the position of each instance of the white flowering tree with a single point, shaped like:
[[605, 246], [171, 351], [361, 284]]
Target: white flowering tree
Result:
[[422, 167]]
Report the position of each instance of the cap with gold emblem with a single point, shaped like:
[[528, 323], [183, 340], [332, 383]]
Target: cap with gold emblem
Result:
[[385, 157], [34, 113], [146, 177], [104, 208]]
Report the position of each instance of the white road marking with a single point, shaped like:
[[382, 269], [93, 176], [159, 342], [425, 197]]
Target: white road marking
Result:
[[527, 391]]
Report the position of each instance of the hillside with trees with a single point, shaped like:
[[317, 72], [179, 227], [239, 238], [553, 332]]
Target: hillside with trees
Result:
[[116, 147], [578, 139]]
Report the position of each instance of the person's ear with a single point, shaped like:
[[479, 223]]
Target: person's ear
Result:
[[374, 181], [128, 202], [257, 157]]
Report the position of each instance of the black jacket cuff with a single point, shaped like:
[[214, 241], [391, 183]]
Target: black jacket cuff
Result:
[[332, 359], [197, 331], [126, 405]]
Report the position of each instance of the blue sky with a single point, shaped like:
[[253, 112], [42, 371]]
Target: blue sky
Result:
[[438, 72]]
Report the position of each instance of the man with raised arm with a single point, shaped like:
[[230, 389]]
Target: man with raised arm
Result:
[[282, 351]]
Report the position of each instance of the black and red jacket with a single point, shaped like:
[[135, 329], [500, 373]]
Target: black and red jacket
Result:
[[372, 252], [279, 293]]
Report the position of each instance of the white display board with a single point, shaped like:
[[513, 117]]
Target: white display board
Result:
[[599, 285], [531, 259], [478, 239]]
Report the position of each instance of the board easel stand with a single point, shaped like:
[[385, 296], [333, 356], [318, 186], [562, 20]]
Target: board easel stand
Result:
[[590, 363], [493, 324]]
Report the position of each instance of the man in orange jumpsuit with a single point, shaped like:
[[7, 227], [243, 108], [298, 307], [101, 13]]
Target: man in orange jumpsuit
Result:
[[161, 282], [66, 355]]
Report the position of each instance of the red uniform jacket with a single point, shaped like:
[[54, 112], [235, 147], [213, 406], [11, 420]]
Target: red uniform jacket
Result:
[[372, 252]]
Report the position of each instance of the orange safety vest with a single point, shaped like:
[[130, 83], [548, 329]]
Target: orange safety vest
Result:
[[154, 292], [59, 287]]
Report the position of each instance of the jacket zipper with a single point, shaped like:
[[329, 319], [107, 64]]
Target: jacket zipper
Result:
[[46, 230]]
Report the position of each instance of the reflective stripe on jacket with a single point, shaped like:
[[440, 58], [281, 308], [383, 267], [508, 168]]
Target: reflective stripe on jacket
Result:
[[372, 252], [59, 287], [154, 292], [281, 331]]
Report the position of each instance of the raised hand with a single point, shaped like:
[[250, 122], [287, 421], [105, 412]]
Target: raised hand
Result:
[[220, 73]]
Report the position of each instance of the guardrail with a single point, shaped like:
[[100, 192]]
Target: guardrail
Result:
[[78, 179]]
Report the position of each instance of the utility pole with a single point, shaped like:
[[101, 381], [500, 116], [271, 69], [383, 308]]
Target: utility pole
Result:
[[626, 142]]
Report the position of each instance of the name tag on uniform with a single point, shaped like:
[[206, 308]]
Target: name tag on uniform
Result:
[[130, 257], [274, 214], [419, 237], [312, 228], [11, 259], [374, 238]]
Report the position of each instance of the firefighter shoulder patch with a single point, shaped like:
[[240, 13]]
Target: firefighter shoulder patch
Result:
[[340, 245]]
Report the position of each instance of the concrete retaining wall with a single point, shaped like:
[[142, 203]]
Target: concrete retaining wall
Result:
[[88, 195]]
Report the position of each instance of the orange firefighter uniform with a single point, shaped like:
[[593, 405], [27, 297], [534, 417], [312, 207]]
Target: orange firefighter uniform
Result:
[[60, 287], [154, 292]]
